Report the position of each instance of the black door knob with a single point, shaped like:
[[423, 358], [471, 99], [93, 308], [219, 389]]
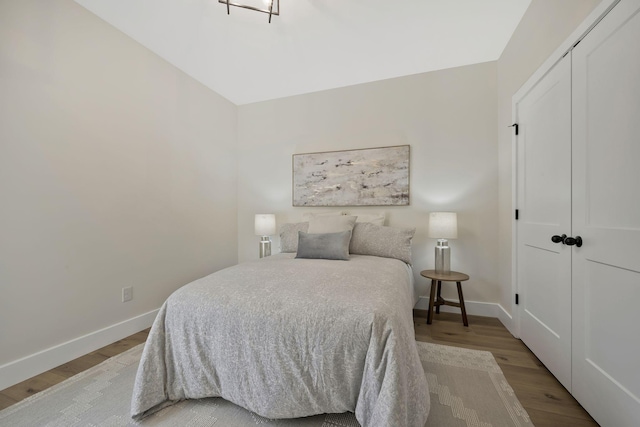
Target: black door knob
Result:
[[558, 239], [573, 241]]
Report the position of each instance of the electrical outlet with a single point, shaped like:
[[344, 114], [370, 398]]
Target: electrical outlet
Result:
[[127, 294]]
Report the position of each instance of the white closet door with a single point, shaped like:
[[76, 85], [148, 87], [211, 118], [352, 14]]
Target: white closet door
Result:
[[606, 215], [544, 204]]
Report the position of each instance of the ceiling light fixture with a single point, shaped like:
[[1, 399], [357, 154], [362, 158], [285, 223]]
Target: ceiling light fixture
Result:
[[272, 7]]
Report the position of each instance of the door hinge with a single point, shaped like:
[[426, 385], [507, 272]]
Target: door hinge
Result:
[[517, 299], [517, 214], [515, 125]]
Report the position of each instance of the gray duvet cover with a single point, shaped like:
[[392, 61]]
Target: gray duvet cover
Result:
[[288, 338]]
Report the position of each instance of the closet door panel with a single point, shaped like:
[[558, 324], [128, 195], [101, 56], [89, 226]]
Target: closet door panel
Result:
[[544, 203], [606, 215]]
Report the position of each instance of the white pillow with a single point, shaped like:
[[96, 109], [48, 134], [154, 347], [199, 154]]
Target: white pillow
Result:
[[308, 215], [374, 218], [331, 224]]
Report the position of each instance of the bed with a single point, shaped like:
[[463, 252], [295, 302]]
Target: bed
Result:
[[287, 337]]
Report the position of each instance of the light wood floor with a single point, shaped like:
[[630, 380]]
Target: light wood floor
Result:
[[50, 378], [546, 401]]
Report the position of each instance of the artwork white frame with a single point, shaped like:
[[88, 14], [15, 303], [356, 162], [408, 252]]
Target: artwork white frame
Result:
[[361, 177]]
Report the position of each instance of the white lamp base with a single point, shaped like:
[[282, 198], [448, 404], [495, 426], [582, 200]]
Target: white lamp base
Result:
[[443, 257], [265, 246]]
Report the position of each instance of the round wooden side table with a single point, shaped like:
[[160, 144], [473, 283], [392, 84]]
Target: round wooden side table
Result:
[[436, 300]]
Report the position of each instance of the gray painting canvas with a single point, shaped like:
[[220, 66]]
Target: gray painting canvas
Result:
[[368, 177]]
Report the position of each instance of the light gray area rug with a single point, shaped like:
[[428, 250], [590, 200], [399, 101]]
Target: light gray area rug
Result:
[[467, 389]]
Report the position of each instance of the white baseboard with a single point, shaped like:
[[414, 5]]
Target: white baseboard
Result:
[[42, 361], [476, 308], [507, 321]]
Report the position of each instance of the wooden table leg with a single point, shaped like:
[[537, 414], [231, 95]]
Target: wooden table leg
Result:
[[438, 297], [464, 312], [431, 300]]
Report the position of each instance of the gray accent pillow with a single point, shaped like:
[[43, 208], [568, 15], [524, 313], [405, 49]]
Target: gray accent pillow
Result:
[[289, 235], [377, 240], [324, 246]]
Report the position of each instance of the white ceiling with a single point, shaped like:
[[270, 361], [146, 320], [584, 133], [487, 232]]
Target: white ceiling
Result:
[[314, 44]]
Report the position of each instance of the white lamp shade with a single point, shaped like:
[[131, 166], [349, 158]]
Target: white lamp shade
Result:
[[443, 225], [265, 225]]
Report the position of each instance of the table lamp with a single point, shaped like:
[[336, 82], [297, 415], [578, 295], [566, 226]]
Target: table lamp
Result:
[[265, 226], [443, 226]]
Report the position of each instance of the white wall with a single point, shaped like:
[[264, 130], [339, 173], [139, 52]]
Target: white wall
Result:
[[116, 169], [447, 117], [545, 25]]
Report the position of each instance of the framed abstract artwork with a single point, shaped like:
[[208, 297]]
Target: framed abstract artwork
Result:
[[364, 177]]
